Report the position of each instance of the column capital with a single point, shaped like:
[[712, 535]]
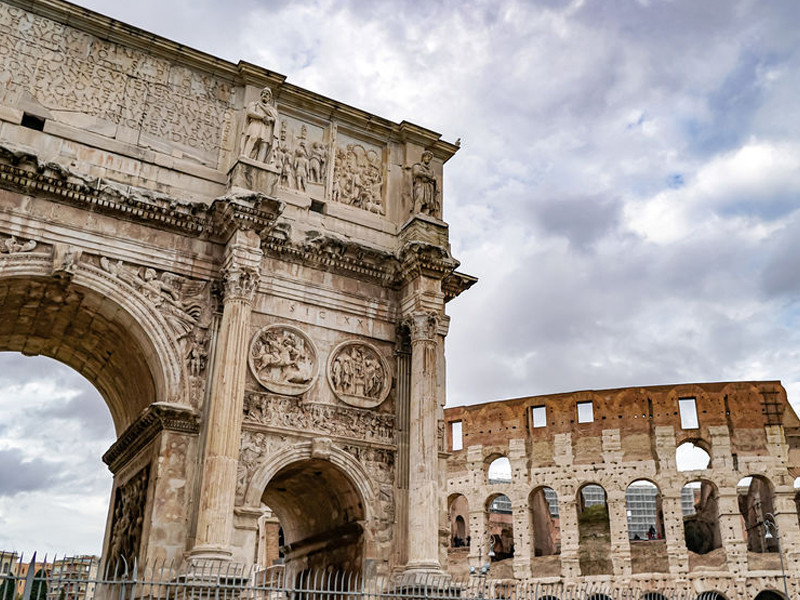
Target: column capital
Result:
[[241, 267], [422, 326]]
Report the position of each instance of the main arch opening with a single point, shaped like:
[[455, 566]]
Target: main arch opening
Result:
[[54, 427], [321, 515], [116, 340]]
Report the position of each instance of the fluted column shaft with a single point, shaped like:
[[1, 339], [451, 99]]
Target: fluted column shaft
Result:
[[224, 410], [423, 520]]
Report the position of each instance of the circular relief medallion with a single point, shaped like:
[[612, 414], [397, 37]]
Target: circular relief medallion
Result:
[[283, 359], [358, 374]]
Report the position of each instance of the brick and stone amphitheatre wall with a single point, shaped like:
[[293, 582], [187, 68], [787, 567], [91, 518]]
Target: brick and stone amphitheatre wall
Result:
[[599, 491]]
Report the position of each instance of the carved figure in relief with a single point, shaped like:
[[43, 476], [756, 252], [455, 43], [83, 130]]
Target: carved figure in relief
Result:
[[252, 448], [12, 246], [301, 165], [179, 300], [358, 375], [425, 187], [128, 518], [357, 178], [261, 129], [317, 162], [283, 360]]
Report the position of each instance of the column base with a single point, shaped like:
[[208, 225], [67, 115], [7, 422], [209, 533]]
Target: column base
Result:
[[209, 556]]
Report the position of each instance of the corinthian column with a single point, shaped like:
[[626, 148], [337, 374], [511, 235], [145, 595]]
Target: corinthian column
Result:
[[240, 275], [423, 481]]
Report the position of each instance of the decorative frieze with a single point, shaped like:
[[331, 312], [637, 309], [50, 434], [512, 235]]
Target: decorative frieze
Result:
[[339, 421], [11, 245]]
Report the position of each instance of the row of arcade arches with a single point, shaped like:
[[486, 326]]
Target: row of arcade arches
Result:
[[645, 522]]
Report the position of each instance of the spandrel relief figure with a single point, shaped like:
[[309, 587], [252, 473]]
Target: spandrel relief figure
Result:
[[425, 187], [358, 374], [260, 136], [283, 360]]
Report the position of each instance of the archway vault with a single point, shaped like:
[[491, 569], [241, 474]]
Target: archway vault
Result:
[[89, 322]]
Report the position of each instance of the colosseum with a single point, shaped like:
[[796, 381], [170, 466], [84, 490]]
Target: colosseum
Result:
[[689, 488]]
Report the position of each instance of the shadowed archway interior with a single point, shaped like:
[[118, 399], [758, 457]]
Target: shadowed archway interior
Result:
[[321, 514]]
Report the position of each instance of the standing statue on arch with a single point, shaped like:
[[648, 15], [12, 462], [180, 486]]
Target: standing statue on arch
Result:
[[260, 136], [425, 187]]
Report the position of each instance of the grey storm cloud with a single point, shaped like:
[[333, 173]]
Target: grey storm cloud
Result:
[[19, 474]]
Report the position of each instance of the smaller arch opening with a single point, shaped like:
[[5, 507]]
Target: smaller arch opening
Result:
[[653, 596], [594, 531], [755, 495], [500, 528], [458, 513], [769, 595], [646, 531], [692, 455], [499, 471], [700, 507]]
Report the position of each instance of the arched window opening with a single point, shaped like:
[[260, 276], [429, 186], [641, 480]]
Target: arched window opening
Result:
[[499, 471], [645, 515], [545, 523], [755, 495], [646, 528], [458, 516], [653, 596], [500, 530], [710, 596], [57, 425], [692, 456], [769, 595], [700, 506], [594, 531]]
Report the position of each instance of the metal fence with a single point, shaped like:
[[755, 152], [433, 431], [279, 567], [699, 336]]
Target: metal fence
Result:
[[77, 578]]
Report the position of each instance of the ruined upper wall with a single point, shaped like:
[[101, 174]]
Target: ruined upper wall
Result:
[[130, 109], [744, 409]]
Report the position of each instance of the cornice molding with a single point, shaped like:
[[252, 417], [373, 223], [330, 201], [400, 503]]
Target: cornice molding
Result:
[[156, 418]]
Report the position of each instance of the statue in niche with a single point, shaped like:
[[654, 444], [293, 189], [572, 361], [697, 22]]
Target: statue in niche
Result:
[[261, 130], [283, 360], [425, 188]]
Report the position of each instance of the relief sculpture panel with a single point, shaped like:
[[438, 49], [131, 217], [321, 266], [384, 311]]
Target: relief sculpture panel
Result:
[[358, 177], [283, 359], [128, 518], [358, 374]]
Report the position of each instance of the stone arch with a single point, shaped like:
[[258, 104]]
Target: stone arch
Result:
[[497, 469], [93, 323], [545, 522], [711, 595], [318, 476], [646, 531], [756, 499], [700, 507], [458, 516], [499, 526], [689, 451], [594, 530], [769, 595]]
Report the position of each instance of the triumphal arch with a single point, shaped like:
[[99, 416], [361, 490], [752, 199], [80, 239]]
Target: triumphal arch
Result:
[[252, 275]]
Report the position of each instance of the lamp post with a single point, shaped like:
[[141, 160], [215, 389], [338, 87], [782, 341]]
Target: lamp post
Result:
[[770, 529]]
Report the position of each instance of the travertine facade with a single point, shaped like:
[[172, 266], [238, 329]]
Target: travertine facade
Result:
[[707, 527], [252, 275]]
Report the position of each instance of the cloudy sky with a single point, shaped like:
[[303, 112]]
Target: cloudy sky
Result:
[[627, 191]]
